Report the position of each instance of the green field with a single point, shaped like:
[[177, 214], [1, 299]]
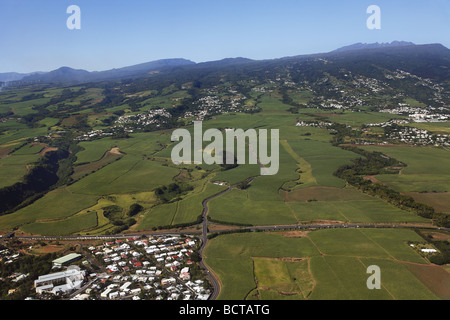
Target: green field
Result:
[[324, 159], [16, 165], [358, 211], [421, 174], [64, 227], [67, 204], [187, 210], [324, 264], [94, 150], [129, 174]]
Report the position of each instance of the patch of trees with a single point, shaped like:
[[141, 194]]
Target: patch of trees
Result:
[[243, 185], [33, 96], [6, 114], [134, 209], [29, 264], [441, 258], [172, 191], [115, 215]]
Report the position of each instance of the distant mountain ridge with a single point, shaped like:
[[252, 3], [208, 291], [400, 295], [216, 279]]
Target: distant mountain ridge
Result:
[[14, 76], [360, 46], [66, 74], [352, 53]]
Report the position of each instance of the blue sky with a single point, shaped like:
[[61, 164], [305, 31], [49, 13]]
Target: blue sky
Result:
[[34, 35]]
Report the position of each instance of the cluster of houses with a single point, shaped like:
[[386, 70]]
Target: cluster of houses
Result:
[[214, 103], [94, 134], [150, 268], [316, 124], [416, 114], [437, 89], [142, 120], [7, 256], [373, 84], [416, 136], [154, 268]]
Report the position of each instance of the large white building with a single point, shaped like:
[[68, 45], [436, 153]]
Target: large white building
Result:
[[60, 282]]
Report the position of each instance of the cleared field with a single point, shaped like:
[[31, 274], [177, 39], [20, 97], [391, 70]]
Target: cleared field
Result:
[[129, 174], [94, 150], [266, 188], [342, 278], [64, 227], [326, 264], [29, 149], [26, 107], [283, 279], [11, 174], [67, 204], [421, 173], [231, 258], [318, 193], [417, 182], [83, 170], [440, 201], [184, 211], [236, 207], [18, 133], [324, 159], [435, 278], [419, 160], [272, 102], [15, 166], [362, 211]]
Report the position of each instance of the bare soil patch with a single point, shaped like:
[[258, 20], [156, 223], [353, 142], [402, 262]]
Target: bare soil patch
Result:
[[115, 151], [4, 152], [435, 278], [49, 149], [294, 234], [440, 201]]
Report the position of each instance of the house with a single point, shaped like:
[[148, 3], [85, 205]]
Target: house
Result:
[[429, 250], [167, 281], [105, 293], [67, 259]]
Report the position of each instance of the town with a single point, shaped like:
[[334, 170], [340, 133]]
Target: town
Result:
[[134, 268]]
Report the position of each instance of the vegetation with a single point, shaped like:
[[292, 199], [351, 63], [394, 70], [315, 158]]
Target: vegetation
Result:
[[60, 175]]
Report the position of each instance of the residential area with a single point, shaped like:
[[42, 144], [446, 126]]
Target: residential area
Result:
[[135, 268]]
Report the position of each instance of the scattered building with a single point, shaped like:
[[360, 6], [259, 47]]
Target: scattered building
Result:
[[60, 282]]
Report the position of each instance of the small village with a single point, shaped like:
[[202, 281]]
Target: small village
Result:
[[135, 268], [418, 115]]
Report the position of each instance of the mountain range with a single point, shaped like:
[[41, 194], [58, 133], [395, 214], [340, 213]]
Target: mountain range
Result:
[[68, 75]]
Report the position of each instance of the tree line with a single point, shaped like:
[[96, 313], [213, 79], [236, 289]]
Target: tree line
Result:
[[373, 163]]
